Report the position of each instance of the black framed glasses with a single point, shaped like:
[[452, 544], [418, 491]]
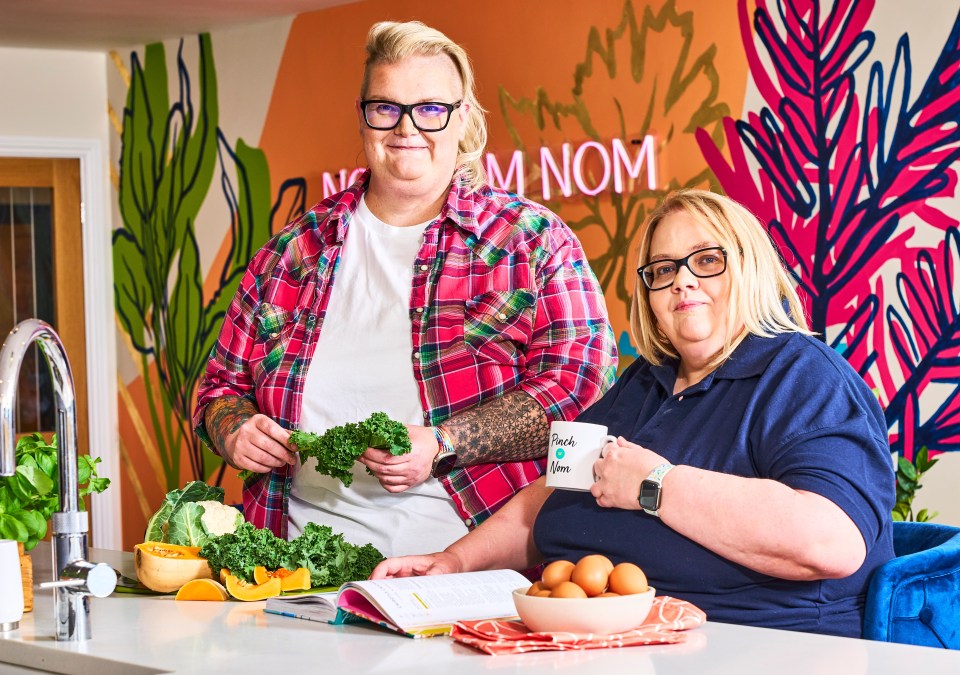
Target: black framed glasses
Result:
[[703, 263], [427, 116]]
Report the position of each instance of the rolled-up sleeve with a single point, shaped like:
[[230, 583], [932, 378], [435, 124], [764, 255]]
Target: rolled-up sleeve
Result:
[[571, 359], [227, 372]]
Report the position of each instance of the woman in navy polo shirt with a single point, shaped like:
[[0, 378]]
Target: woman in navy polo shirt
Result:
[[752, 474]]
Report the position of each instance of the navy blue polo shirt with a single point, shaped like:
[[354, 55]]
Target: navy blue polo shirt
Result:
[[787, 408]]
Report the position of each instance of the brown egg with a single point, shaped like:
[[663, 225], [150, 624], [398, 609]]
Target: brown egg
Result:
[[545, 593], [536, 588], [556, 573], [567, 589], [608, 594], [591, 574], [627, 579]]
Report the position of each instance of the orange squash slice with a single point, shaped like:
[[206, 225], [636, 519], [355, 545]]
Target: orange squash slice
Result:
[[203, 589], [241, 590], [290, 580], [166, 567]]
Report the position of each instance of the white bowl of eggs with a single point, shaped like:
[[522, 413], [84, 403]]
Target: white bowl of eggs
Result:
[[591, 596]]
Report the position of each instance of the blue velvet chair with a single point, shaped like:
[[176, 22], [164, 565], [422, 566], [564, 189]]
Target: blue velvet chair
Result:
[[915, 598]]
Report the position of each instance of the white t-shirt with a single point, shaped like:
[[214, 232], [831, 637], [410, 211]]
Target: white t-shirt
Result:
[[362, 364]]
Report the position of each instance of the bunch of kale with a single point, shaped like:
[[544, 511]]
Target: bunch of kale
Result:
[[331, 560], [337, 450]]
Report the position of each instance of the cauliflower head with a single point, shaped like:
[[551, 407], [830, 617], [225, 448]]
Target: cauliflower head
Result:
[[219, 518]]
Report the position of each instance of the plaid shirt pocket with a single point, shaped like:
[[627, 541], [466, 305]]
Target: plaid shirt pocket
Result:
[[497, 325], [274, 329]]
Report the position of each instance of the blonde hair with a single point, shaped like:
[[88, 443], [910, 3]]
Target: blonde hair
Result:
[[760, 285], [391, 42]]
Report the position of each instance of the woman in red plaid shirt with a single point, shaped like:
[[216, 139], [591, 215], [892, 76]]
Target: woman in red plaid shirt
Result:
[[464, 311]]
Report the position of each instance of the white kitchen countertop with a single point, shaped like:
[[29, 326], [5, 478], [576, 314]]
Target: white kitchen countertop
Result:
[[150, 634]]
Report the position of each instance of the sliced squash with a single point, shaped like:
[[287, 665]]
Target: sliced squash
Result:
[[262, 575], [166, 567], [290, 580], [203, 589], [242, 590], [298, 580]]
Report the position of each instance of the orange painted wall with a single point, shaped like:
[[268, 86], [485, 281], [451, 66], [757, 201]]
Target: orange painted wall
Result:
[[529, 51]]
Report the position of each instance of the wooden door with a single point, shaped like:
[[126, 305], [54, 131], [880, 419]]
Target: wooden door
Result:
[[41, 276]]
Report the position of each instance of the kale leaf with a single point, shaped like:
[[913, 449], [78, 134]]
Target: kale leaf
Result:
[[337, 450], [331, 560], [244, 550]]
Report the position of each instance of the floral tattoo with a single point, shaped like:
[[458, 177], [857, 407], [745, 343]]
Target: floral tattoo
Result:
[[510, 428], [225, 415]]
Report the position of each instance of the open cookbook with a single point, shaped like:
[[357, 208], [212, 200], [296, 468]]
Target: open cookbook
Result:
[[413, 606]]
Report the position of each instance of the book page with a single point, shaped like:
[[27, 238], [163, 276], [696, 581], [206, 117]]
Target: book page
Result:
[[316, 607], [442, 599]]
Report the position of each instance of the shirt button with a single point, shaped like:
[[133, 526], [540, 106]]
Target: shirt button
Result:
[[468, 521], [680, 399], [502, 316], [424, 268], [416, 355], [419, 310], [274, 336]]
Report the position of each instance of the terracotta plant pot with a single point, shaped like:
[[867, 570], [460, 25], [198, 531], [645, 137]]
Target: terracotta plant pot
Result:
[[26, 572]]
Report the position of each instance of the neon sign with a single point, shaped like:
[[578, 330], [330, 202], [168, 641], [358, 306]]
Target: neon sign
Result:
[[589, 169]]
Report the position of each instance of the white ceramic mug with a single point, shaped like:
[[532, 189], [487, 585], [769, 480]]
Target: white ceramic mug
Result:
[[11, 586], [573, 448]]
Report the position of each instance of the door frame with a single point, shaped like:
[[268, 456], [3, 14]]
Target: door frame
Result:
[[101, 348]]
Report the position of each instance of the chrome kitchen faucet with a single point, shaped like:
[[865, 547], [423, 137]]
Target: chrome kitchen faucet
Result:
[[75, 579]]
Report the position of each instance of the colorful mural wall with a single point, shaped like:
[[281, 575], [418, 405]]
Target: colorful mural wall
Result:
[[834, 121]]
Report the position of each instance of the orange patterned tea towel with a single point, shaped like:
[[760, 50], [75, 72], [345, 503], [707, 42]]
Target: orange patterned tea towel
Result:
[[667, 618]]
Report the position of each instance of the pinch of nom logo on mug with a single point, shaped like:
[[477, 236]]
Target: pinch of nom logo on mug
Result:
[[574, 447]]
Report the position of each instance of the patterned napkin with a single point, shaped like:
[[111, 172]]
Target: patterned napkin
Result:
[[668, 616]]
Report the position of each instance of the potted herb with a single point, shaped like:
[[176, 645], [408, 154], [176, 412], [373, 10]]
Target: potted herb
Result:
[[908, 482], [30, 497]]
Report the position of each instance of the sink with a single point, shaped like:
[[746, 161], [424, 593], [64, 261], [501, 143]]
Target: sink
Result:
[[34, 647]]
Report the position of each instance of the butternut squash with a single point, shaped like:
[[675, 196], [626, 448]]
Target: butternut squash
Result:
[[166, 567], [290, 580], [203, 589], [242, 590]]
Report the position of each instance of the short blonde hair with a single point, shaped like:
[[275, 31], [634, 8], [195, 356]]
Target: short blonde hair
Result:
[[391, 42], [762, 293]]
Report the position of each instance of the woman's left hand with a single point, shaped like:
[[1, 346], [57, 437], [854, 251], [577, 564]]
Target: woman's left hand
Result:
[[620, 470], [402, 472]]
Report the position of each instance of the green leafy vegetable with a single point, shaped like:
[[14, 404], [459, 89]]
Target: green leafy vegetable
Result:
[[908, 482], [337, 450], [30, 497], [192, 515], [331, 560]]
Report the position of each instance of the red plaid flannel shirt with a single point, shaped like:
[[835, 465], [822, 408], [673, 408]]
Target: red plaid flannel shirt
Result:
[[502, 299]]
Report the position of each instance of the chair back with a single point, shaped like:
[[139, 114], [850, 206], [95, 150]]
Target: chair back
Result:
[[915, 598]]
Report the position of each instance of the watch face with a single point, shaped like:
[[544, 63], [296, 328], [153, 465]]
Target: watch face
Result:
[[444, 464], [649, 495]]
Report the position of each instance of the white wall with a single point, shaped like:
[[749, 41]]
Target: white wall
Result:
[[54, 104], [53, 93]]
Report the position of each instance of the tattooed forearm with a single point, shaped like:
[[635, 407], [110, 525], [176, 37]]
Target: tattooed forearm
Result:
[[511, 428], [225, 415]]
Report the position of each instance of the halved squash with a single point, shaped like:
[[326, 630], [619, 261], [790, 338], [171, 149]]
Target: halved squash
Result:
[[166, 567], [241, 590], [290, 580], [203, 589]]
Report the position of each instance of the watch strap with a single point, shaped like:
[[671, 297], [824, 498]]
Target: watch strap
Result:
[[446, 457], [656, 477]]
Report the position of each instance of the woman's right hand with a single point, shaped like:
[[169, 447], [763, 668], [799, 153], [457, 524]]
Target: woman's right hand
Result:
[[259, 445], [245, 438], [417, 566]]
